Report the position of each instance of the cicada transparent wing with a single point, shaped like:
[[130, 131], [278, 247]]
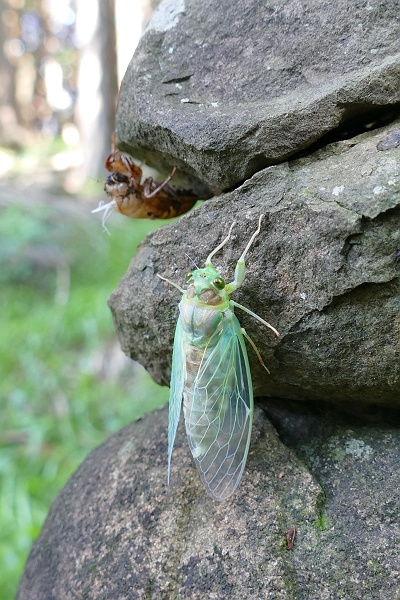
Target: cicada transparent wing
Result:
[[219, 412], [178, 377]]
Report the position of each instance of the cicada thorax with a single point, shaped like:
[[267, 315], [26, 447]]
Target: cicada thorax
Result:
[[202, 308], [119, 186], [206, 296]]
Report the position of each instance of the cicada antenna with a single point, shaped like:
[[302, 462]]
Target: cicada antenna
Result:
[[191, 260]]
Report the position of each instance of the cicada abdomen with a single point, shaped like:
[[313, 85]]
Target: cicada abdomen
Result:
[[218, 404]]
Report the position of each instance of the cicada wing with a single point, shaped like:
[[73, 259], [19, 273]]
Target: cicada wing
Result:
[[178, 377], [219, 413]]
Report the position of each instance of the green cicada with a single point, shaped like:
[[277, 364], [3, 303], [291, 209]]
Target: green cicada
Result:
[[211, 373]]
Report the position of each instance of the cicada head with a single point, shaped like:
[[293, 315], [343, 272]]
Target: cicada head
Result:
[[117, 184], [206, 286]]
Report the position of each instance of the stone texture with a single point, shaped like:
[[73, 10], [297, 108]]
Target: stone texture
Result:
[[116, 532], [222, 90], [323, 271], [354, 457]]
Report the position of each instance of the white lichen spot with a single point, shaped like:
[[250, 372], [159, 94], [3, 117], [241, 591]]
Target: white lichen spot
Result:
[[178, 86], [358, 449], [392, 182], [322, 189], [303, 295], [166, 15], [337, 190], [170, 50], [215, 104], [379, 189], [374, 50], [185, 100]]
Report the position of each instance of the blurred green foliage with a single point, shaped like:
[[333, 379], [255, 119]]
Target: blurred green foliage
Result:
[[64, 383]]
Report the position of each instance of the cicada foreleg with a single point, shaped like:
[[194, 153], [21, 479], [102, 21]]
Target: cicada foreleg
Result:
[[240, 270], [148, 193], [222, 244]]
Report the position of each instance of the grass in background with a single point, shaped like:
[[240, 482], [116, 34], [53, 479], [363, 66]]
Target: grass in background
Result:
[[64, 384]]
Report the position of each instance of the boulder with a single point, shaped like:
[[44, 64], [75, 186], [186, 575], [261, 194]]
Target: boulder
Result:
[[323, 271], [117, 532], [222, 90]]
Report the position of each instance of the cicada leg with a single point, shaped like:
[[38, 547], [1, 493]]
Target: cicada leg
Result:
[[256, 350], [253, 314], [178, 287], [147, 185], [240, 270], [222, 244]]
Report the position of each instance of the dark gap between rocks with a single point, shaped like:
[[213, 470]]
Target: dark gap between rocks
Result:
[[298, 423], [308, 416], [357, 119]]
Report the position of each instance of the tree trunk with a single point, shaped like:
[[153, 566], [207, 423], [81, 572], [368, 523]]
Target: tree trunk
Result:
[[97, 83], [8, 104]]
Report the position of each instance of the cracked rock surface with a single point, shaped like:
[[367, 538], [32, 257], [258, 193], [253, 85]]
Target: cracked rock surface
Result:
[[323, 271], [222, 89], [117, 532]]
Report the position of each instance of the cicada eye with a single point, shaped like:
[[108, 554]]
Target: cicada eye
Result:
[[219, 283], [189, 276]]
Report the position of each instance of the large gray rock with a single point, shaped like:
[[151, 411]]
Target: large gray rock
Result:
[[222, 89], [116, 532], [323, 271]]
